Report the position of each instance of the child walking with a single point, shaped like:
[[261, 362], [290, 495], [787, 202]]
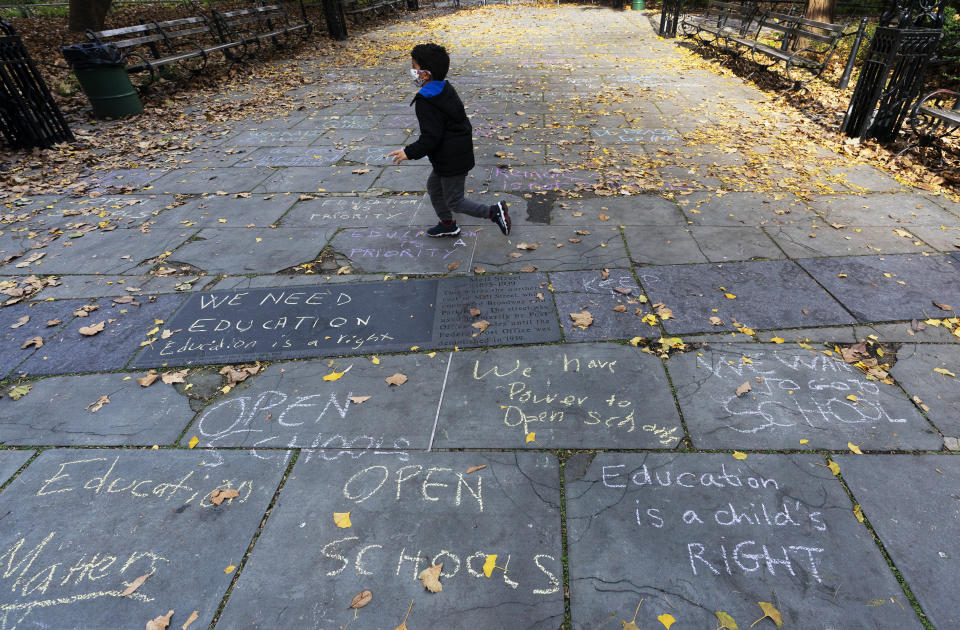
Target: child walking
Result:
[[446, 137]]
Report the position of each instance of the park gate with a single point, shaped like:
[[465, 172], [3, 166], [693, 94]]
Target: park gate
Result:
[[29, 117], [892, 75]]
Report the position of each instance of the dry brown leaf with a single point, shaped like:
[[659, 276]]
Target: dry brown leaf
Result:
[[603, 217], [403, 624], [431, 578], [583, 232], [604, 274], [148, 379], [359, 399], [397, 379], [36, 342], [716, 321], [98, 404], [515, 255], [217, 497], [528, 246], [623, 291], [193, 617], [942, 307], [582, 320], [572, 240], [160, 623], [453, 266], [479, 270], [474, 311], [528, 269], [482, 325], [54, 322], [474, 469], [89, 331], [20, 322], [174, 377], [663, 311], [620, 308], [361, 599], [137, 583], [744, 388]]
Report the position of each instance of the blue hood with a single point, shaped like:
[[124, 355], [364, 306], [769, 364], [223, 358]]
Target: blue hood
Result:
[[432, 88]]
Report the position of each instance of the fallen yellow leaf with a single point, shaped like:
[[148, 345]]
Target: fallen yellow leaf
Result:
[[857, 512], [489, 564], [834, 467], [230, 569], [531, 437], [730, 296], [769, 610], [944, 371], [193, 442], [853, 447], [431, 578], [777, 339], [726, 621], [667, 620], [342, 519], [739, 455]]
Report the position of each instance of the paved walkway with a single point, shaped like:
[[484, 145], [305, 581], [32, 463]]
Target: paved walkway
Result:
[[255, 380]]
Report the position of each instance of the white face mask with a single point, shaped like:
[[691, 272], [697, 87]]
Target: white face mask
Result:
[[415, 75]]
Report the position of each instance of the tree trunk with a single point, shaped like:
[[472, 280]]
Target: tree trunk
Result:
[[88, 14], [820, 10]]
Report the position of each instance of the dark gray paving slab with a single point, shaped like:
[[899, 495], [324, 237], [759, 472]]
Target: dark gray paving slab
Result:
[[94, 286], [593, 248], [10, 462], [769, 294], [616, 315], [353, 212], [806, 242], [907, 332], [70, 351], [116, 252], [939, 392], [404, 250], [198, 181], [356, 318], [701, 533], [829, 335], [635, 210], [254, 250], [796, 394], [408, 178], [297, 156], [275, 138], [12, 339], [123, 178], [126, 208], [323, 179], [226, 211], [92, 521], [945, 238], [568, 396], [898, 209], [911, 503], [593, 282], [290, 405], [659, 245], [746, 208], [57, 411], [336, 121], [510, 508], [542, 178], [628, 135], [889, 288]]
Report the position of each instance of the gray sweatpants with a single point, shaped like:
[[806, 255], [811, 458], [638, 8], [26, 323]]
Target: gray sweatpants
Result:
[[446, 195]]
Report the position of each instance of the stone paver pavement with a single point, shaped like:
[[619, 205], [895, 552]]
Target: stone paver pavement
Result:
[[345, 402]]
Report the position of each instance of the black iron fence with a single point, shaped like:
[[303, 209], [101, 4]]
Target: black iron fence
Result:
[[29, 117]]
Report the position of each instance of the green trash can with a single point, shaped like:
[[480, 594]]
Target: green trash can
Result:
[[100, 70], [638, 5]]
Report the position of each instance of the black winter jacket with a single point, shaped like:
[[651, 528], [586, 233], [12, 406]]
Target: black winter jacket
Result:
[[446, 135]]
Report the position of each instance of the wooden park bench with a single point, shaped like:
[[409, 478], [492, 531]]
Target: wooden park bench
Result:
[[253, 27], [718, 21], [379, 7], [150, 47]]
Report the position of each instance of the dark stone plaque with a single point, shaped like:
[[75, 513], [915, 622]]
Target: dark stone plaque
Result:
[[767, 294], [405, 517], [70, 351], [692, 534], [885, 288], [81, 525], [63, 411], [911, 502], [290, 405], [796, 394], [570, 396], [10, 462], [356, 318]]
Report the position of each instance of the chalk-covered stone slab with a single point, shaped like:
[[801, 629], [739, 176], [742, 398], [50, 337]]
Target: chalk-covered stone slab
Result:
[[614, 303], [551, 248], [64, 411], [540, 178], [96, 285], [297, 156], [403, 250], [582, 396], [699, 243], [39, 315], [226, 211], [322, 179], [510, 508], [198, 181], [82, 525], [126, 209], [291, 405], [10, 462], [889, 288], [70, 351], [255, 250], [795, 394], [911, 503], [353, 212], [940, 392], [276, 138], [767, 294], [692, 534]]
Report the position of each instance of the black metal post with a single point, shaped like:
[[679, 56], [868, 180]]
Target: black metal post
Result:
[[413, 5], [336, 21], [670, 17], [857, 42]]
